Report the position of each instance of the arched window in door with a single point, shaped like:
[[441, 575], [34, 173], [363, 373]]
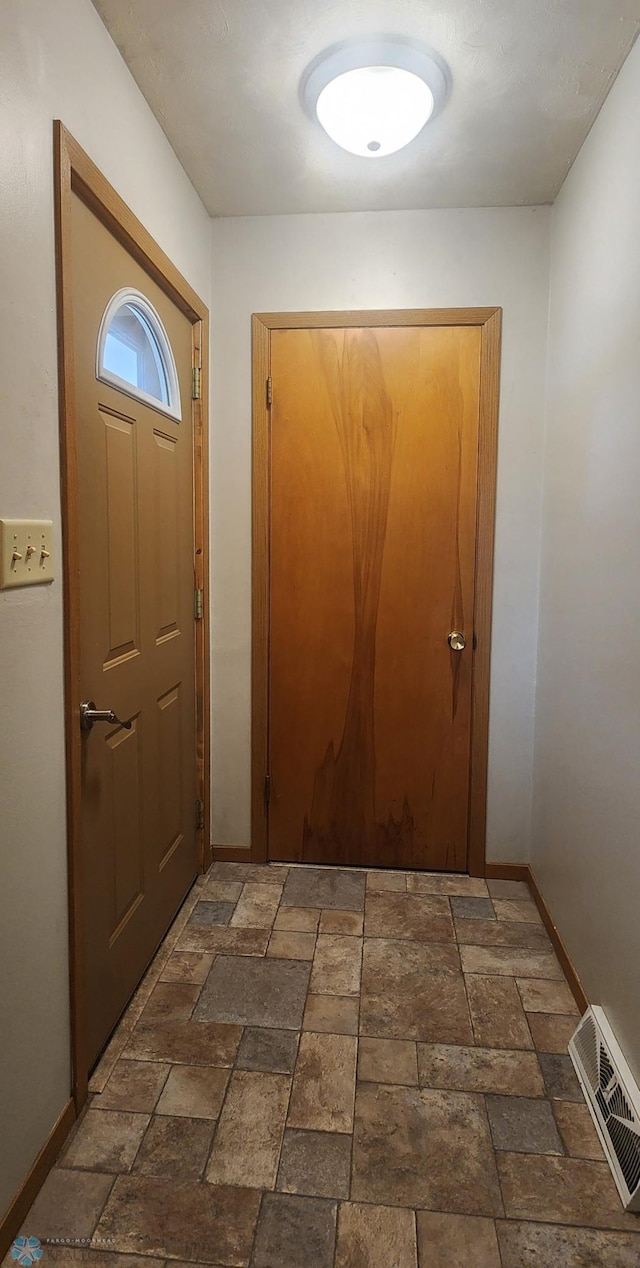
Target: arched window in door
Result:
[[134, 353]]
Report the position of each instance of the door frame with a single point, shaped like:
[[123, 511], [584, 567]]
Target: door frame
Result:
[[489, 322], [75, 172]]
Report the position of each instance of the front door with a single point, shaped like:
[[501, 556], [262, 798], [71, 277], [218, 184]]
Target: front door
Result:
[[133, 359], [374, 471]]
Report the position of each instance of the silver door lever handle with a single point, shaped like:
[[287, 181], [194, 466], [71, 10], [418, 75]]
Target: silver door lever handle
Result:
[[89, 714]]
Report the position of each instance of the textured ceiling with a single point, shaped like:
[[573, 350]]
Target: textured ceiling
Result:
[[222, 77]]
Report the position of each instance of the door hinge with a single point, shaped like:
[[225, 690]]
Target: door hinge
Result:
[[199, 814], [198, 604], [267, 788], [195, 387], [269, 392]]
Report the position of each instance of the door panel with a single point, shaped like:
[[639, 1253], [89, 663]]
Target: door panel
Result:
[[166, 478], [170, 774], [123, 579], [122, 789], [136, 552], [374, 441]]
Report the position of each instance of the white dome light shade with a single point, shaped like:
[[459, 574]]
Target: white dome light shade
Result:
[[374, 110], [374, 98]]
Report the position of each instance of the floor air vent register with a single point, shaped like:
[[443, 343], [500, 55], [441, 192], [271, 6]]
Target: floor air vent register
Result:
[[613, 1098]]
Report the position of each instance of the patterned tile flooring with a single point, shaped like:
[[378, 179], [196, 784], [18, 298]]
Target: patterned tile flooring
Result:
[[327, 1068]]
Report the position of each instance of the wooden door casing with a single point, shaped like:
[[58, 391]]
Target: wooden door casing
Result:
[[401, 816]]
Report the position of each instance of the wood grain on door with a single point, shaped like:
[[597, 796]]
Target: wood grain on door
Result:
[[374, 449]]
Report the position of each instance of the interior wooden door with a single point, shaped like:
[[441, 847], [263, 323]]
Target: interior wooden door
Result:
[[136, 587], [374, 470]]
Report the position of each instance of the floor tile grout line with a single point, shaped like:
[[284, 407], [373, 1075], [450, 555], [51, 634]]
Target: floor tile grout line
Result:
[[526, 1015], [132, 1164], [355, 1085], [232, 1070], [564, 1223], [553, 1102], [202, 1178], [293, 1075], [464, 982], [103, 1208], [251, 1259], [500, 1255], [415, 1236], [466, 995], [374, 937]]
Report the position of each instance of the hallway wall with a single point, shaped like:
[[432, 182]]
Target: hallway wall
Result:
[[585, 852], [383, 260], [56, 60]]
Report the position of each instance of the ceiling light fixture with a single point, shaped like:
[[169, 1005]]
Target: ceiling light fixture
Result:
[[373, 98]]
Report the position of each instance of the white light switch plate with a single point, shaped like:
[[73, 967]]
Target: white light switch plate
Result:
[[26, 552]]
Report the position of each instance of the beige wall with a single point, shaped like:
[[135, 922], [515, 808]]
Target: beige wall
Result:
[[56, 59], [586, 840], [384, 260]]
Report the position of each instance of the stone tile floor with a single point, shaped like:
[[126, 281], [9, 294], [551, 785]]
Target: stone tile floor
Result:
[[327, 1068]]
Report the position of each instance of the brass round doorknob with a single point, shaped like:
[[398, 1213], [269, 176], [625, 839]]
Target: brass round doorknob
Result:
[[457, 641]]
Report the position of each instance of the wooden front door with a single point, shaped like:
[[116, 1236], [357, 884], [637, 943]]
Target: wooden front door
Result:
[[373, 502], [136, 614]]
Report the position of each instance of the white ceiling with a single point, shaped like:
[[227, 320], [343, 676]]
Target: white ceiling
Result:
[[222, 77]]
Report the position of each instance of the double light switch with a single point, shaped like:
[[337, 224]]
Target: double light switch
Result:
[[26, 552]]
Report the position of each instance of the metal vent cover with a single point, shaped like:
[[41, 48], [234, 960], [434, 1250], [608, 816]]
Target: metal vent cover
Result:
[[613, 1098]]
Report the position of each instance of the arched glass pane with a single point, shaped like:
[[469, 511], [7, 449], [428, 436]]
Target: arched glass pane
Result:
[[134, 354], [131, 352]]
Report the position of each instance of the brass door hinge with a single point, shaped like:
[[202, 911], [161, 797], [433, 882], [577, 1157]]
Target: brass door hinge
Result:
[[269, 392], [199, 814], [267, 788], [195, 387], [198, 604]]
